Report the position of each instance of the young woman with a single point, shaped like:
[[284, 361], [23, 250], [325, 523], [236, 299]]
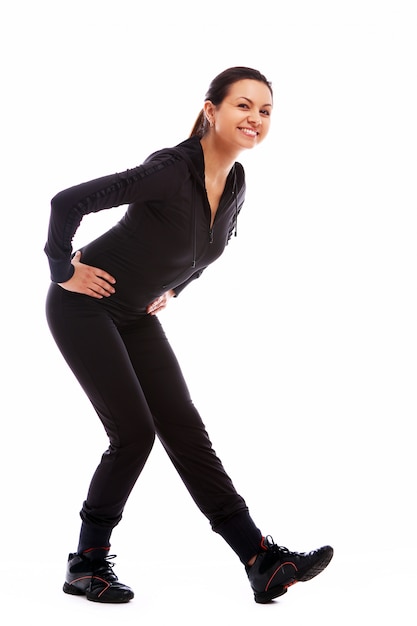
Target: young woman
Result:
[[183, 204]]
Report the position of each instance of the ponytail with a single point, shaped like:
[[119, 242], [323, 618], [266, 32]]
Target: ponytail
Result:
[[200, 125]]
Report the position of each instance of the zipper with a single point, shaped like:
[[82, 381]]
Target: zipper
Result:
[[221, 203]]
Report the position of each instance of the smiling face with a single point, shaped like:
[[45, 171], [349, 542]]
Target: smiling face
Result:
[[242, 120]]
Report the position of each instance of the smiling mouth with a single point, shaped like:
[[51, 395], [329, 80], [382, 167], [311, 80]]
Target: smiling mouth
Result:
[[248, 131]]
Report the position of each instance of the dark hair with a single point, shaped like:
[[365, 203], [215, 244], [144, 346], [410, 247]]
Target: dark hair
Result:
[[219, 88]]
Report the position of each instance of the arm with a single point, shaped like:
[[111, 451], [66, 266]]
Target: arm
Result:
[[161, 303], [69, 207], [177, 290]]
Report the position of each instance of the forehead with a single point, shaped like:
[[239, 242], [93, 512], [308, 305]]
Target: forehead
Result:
[[253, 90]]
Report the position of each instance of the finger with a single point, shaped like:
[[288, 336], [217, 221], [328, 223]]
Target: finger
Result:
[[76, 258], [157, 308], [153, 307], [94, 272], [94, 294], [104, 276], [103, 288], [104, 284]]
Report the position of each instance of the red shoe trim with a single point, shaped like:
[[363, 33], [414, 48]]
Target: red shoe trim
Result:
[[276, 572], [263, 546], [290, 584], [106, 582], [98, 548], [77, 580]]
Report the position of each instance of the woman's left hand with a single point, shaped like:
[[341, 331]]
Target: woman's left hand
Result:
[[160, 303]]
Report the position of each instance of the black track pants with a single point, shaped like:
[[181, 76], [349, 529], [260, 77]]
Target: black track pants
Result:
[[133, 380]]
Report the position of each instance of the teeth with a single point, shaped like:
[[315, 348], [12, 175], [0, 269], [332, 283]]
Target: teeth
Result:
[[248, 131]]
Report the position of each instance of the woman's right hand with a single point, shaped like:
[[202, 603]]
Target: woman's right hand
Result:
[[89, 280]]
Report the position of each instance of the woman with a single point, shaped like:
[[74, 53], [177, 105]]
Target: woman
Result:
[[183, 204]]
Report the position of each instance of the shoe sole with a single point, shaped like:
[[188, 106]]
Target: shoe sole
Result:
[[263, 597], [318, 567], [109, 601], [72, 590], [75, 591]]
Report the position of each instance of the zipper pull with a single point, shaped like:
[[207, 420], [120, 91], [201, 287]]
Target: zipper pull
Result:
[[211, 235]]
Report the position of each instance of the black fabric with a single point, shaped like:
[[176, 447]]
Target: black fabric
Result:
[[120, 355], [135, 384], [241, 534], [163, 241], [94, 540]]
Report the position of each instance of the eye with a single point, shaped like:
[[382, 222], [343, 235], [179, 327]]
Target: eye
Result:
[[243, 105], [266, 112]]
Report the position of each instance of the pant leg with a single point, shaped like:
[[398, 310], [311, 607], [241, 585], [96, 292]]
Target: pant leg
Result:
[[183, 434], [177, 422], [92, 346]]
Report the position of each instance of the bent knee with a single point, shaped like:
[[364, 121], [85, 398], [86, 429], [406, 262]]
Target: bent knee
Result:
[[139, 439]]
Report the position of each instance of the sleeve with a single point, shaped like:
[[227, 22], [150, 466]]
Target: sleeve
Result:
[[177, 290], [68, 208]]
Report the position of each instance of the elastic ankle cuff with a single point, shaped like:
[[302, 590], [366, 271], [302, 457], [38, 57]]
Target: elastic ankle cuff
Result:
[[242, 535], [93, 537], [96, 554]]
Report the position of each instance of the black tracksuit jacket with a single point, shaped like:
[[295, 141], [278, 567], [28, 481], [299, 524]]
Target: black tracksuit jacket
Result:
[[163, 241]]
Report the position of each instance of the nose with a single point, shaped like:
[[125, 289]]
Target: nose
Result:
[[254, 118]]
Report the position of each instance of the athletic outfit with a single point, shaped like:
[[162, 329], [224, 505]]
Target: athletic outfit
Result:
[[122, 359], [120, 354]]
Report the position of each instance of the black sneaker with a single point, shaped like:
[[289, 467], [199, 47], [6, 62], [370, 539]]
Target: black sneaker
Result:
[[95, 579], [276, 569]]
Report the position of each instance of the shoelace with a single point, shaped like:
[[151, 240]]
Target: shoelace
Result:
[[269, 544], [106, 564]]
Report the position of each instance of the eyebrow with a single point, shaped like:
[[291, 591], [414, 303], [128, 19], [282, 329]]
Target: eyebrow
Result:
[[251, 101]]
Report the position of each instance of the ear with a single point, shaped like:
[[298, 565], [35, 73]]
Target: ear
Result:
[[209, 110]]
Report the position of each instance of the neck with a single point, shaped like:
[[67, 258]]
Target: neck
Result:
[[218, 161]]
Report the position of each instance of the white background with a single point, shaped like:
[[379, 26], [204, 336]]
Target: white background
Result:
[[299, 345]]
